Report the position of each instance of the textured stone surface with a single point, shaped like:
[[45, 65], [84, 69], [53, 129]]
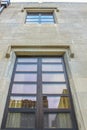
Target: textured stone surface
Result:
[[70, 29]]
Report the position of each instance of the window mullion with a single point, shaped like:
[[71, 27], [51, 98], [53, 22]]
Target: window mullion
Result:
[[39, 96]]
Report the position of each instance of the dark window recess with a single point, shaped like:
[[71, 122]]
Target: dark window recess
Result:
[[39, 95], [39, 17]]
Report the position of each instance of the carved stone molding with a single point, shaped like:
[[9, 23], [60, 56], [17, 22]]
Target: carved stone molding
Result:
[[26, 50]]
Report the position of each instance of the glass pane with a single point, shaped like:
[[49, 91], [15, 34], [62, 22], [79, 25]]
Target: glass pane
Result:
[[32, 20], [47, 20], [52, 67], [25, 77], [22, 102], [24, 88], [57, 120], [53, 60], [58, 102], [32, 16], [24, 67], [47, 16], [27, 60], [20, 120], [57, 77], [54, 89]]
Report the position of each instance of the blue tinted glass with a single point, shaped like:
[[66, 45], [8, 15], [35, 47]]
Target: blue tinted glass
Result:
[[32, 16], [31, 20], [48, 20], [47, 16]]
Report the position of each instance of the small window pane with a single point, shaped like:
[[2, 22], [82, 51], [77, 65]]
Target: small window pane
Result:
[[22, 102], [28, 67], [57, 120], [25, 77], [47, 16], [32, 20], [53, 60], [33, 16], [53, 77], [54, 89], [47, 20], [20, 120], [52, 67], [24, 88], [27, 60], [57, 102]]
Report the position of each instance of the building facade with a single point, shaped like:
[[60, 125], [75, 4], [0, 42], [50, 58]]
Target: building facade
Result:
[[43, 66]]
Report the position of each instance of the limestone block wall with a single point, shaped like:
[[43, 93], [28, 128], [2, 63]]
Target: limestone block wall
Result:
[[70, 29]]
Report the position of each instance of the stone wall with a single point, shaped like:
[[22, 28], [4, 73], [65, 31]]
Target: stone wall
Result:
[[70, 29]]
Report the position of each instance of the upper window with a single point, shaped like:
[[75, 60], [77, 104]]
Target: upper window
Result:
[[40, 17], [39, 95]]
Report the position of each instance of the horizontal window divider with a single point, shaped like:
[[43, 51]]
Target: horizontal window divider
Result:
[[60, 129], [26, 63], [53, 82], [22, 82], [25, 72], [14, 94], [53, 72], [55, 95], [24, 110], [46, 110], [38, 129], [50, 63], [19, 129]]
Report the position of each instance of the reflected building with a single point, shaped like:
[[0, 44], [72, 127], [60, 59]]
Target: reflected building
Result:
[[63, 120]]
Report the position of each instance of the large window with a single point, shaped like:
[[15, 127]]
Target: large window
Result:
[[39, 17], [39, 95]]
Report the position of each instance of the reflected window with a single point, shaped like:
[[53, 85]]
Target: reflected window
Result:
[[56, 102], [40, 17], [39, 95]]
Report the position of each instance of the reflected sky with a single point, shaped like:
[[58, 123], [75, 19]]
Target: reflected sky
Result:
[[24, 88], [25, 77]]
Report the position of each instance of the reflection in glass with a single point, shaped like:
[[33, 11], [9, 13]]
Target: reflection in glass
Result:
[[20, 120], [33, 16], [25, 77], [22, 102], [24, 88], [26, 67], [27, 60], [53, 60], [32, 20], [56, 102], [46, 22], [54, 89], [55, 77], [52, 67], [46, 16], [57, 120]]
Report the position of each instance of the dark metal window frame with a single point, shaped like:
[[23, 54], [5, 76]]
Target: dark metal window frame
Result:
[[39, 114]]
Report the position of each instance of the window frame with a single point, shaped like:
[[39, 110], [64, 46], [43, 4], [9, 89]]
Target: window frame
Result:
[[41, 10], [40, 99]]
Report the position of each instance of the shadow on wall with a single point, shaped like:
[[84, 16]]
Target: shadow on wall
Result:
[[4, 4]]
